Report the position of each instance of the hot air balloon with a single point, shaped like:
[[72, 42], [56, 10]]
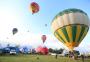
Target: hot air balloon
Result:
[[14, 31], [43, 38], [42, 50], [34, 7], [45, 25], [70, 27]]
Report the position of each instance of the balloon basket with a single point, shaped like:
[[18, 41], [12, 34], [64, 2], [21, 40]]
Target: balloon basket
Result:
[[72, 55]]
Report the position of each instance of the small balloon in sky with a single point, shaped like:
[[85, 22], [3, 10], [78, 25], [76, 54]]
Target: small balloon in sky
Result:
[[43, 38], [34, 7], [14, 31], [28, 31], [45, 25]]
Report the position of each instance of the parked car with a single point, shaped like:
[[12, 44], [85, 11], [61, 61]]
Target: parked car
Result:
[[13, 52]]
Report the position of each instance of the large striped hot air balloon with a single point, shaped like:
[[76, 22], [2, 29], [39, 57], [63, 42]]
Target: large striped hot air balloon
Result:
[[70, 27]]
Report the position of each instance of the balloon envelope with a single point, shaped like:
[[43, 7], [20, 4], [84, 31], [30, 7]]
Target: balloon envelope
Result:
[[34, 7], [14, 31], [45, 25], [42, 50], [70, 27], [43, 38]]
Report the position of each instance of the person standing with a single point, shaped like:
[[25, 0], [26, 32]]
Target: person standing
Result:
[[82, 56]]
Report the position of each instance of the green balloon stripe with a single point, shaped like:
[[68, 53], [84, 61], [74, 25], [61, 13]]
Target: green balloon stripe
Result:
[[85, 32], [84, 29], [81, 33], [64, 31], [74, 30], [58, 34]]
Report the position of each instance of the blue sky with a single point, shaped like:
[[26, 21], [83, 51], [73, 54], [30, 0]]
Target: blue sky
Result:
[[17, 14]]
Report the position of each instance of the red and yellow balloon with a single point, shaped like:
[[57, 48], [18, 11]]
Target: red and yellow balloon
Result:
[[34, 7]]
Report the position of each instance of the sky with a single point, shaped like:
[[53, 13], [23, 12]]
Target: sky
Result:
[[17, 14]]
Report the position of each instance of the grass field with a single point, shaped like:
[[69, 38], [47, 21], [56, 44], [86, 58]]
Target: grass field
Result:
[[37, 58]]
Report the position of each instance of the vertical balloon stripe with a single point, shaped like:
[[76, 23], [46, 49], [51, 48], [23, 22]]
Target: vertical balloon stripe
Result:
[[84, 34], [81, 33], [66, 19], [74, 29], [59, 37], [62, 35], [71, 18], [60, 21], [86, 30], [69, 31], [78, 32], [65, 33]]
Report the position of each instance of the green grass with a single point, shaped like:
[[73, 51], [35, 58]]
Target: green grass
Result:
[[41, 58]]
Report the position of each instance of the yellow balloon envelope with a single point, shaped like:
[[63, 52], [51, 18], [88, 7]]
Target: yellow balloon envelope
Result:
[[70, 27]]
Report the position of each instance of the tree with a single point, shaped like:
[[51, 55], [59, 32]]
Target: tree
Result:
[[50, 50], [61, 51]]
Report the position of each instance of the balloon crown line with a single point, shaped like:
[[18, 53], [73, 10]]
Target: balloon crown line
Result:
[[71, 10]]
